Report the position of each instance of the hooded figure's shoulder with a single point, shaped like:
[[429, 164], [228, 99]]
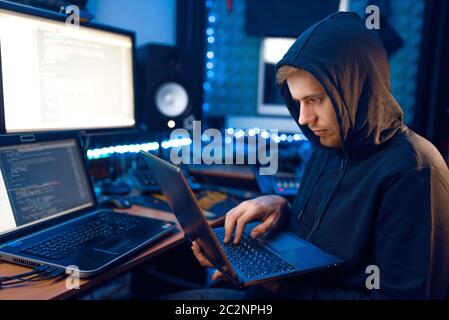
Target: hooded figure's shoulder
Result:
[[410, 151]]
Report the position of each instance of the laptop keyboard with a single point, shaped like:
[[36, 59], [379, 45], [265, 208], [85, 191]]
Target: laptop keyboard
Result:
[[101, 227], [252, 259]]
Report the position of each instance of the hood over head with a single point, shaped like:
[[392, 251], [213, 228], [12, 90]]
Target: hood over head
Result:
[[351, 64]]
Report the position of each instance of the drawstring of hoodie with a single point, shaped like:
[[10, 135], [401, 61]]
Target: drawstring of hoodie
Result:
[[318, 220], [309, 192]]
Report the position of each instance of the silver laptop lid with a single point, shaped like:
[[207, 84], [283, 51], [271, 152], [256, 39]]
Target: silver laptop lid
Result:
[[188, 212]]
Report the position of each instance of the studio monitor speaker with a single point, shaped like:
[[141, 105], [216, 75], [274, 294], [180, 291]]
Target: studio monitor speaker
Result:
[[170, 87]]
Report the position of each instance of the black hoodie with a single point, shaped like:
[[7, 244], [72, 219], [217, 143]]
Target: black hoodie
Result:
[[383, 198]]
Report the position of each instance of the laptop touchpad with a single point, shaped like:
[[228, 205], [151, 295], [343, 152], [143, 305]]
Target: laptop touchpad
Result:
[[116, 245], [284, 242]]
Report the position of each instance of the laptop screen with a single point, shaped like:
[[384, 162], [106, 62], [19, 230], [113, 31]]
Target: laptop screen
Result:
[[41, 180]]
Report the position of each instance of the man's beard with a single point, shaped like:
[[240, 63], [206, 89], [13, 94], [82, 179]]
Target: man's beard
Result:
[[331, 140]]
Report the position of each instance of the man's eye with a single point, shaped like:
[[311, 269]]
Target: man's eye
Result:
[[315, 101]]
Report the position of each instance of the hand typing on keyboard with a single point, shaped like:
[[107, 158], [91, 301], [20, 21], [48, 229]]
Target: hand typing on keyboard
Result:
[[271, 210]]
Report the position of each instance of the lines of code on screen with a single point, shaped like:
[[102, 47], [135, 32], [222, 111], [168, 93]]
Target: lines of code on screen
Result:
[[44, 179]]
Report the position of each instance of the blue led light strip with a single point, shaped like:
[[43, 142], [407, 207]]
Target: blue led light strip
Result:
[[106, 152]]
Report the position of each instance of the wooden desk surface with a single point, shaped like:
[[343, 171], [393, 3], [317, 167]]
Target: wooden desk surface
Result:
[[56, 289]]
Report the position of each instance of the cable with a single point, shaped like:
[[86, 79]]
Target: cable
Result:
[[47, 274], [35, 278], [20, 280], [38, 269], [39, 273], [16, 276]]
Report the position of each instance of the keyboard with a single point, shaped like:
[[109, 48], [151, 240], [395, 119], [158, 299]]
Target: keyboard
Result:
[[97, 229], [250, 258]]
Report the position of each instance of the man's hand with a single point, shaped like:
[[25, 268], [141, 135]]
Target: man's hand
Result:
[[271, 210], [204, 262]]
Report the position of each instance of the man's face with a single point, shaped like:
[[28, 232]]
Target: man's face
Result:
[[316, 107]]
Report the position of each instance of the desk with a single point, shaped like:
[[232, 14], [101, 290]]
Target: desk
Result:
[[56, 289]]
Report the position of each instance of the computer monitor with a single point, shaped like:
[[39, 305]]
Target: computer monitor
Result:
[[270, 101], [56, 76]]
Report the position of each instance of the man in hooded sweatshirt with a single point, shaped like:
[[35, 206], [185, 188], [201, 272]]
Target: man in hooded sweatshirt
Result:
[[373, 193]]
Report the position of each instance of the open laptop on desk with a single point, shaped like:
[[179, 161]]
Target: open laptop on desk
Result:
[[48, 209], [251, 261]]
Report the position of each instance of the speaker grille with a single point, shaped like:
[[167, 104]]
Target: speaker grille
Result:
[[171, 99]]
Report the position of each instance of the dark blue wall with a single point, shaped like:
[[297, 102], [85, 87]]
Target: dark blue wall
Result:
[[231, 82], [153, 20]]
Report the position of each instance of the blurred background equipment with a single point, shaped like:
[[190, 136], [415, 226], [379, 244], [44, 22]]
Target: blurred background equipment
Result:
[[269, 100]]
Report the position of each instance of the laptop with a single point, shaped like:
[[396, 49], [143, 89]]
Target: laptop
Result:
[[49, 214], [251, 261]]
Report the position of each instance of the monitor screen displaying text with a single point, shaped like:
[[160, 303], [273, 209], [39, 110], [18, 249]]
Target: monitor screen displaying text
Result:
[[60, 77]]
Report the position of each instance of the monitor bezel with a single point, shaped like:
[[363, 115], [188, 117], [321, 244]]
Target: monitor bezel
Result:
[[54, 16], [29, 138], [263, 108]]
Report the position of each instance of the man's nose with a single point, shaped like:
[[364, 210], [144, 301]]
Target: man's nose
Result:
[[306, 115]]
